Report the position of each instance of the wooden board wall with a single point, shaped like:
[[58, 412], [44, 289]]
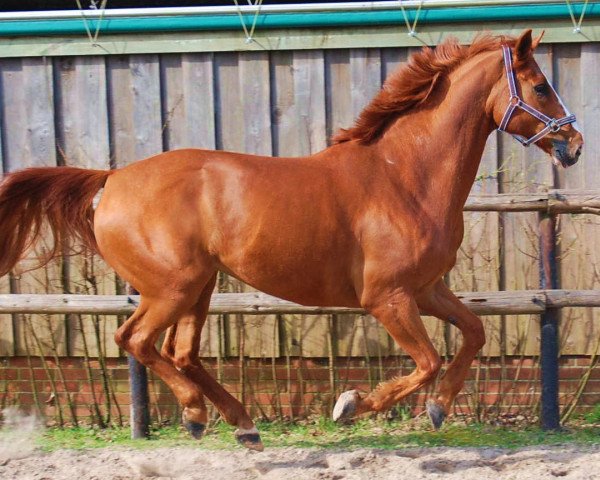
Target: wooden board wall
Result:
[[82, 140], [106, 112], [28, 140]]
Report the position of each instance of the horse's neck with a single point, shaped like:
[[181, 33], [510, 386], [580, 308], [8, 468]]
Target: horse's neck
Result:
[[437, 150]]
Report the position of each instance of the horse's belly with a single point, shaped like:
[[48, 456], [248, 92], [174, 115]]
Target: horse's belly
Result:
[[316, 281]]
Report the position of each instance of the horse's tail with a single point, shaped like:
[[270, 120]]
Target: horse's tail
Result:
[[60, 196]]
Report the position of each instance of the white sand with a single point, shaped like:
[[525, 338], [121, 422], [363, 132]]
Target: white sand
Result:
[[20, 460], [537, 463]]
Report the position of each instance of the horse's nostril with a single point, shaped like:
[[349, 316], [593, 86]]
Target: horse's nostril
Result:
[[578, 152]]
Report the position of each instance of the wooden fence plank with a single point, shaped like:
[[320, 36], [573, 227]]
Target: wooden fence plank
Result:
[[228, 103], [299, 103], [134, 106], [258, 303], [578, 240], [189, 122], [28, 141], [188, 101], [261, 333], [590, 165], [298, 85], [229, 130], [337, 87], [478, 257], [7, 338], [572, 330], [391, 60], [134, 109], [523, 170], [550, 201], [354, 77], [82, 135], [244, 124], [7, 334], [370, 338]]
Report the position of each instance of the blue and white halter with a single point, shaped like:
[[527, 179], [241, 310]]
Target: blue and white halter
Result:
[[514, 102]]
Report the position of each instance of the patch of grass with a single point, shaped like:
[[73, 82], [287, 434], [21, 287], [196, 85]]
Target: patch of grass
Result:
[[594, 415], [323, 433]]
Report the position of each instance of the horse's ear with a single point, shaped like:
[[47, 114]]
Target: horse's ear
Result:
[[538, 40], [524, 45]]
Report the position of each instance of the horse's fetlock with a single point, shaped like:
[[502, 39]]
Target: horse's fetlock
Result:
[[181, 362], [193, 400]]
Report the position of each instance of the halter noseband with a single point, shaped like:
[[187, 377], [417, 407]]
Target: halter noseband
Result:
[[514, 102]]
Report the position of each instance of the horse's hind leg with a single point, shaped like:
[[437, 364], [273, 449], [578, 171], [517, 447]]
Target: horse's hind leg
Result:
[[138, 336], [442, 303], [188, 418], [399, 314], [181, 347]]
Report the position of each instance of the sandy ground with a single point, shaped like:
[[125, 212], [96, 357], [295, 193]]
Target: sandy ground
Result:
[[20, 460], [300, 464]]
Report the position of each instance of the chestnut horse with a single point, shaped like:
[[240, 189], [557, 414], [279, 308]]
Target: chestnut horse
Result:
[[374, 221]]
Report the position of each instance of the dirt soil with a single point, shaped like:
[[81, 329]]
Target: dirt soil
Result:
[[21, 460], [569, 462]]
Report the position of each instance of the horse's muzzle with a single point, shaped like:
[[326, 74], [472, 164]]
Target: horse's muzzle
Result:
[[567, 153]]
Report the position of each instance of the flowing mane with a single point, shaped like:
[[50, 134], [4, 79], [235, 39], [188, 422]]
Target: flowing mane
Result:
[[412, 84]]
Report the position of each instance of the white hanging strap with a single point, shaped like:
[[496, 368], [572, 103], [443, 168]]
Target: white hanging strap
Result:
[[412, 32], [577, 23], [93, 5], [249, 34]]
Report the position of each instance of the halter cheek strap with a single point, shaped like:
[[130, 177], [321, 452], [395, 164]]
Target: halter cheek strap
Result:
[[514, 102]]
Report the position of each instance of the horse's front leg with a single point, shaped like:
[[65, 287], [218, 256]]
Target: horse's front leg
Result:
[[443, 304], [399, 314]]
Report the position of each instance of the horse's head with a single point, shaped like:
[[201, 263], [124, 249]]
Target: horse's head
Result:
[[527, 106]]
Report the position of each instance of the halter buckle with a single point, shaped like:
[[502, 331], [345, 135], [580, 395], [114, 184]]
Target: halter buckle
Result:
[[553, 125], [514, 100]]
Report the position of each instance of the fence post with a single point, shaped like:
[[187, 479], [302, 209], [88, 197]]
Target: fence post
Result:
[[549, 416], [138, 384]]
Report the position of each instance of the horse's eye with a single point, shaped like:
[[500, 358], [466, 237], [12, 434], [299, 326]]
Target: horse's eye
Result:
[[541, 89]]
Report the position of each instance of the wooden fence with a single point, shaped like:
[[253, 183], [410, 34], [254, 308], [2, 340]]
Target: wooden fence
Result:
[[107, 111], [257, 303]]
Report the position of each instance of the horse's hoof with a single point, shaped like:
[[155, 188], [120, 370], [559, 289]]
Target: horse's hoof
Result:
[[435, 413], [196, 429], [345, 407], [194, 420], [249, 439]]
